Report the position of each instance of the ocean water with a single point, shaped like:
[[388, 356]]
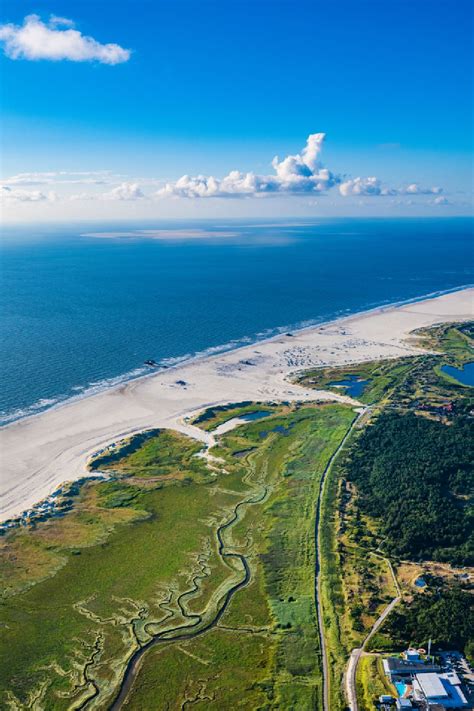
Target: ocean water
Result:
[[81, 313]]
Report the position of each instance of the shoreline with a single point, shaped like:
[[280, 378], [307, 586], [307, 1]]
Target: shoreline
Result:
[[214, 352], [47, 449]]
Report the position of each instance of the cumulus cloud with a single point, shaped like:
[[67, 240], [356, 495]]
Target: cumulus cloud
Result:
[[12, 195], [415, 189], [56, 40], [124, 191], [300, 173], [361, 186], [373, 186], [440, 200]]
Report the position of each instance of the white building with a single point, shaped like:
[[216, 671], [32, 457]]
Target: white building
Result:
[[403, 704], [442, 689]]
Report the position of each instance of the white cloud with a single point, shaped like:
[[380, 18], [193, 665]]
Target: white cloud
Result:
[[100, 177], [361, 186], [78, 197], [440, 201], [373, 186], [124, 191], [57, 21], [300, 173], [38, 40], [12, 195], [415, 189]]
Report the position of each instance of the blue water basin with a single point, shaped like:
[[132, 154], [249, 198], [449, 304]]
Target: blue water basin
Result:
[[352, 384], [401, 688], [463, 375], [257, 415]]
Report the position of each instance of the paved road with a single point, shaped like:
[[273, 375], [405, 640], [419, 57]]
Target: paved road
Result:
[[317, 587], [357, 653]]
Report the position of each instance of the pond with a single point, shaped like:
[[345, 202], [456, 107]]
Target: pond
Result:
[[281, 429], [352, 385], [464, 375], [242, 452], [251, 416], [420, 582]]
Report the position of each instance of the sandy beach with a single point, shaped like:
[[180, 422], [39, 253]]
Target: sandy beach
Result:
[[40, 453]]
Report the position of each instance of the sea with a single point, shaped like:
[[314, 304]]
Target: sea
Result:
[[82, 307]]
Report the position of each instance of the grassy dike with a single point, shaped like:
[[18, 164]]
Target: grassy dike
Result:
[[336, 630]]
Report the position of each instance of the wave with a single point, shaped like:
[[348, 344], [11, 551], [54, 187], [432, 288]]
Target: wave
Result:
[[79, 392]]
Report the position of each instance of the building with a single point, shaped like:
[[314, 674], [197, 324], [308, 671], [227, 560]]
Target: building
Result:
[[396, 668], [411, 655], [439, 690], [403, 704]]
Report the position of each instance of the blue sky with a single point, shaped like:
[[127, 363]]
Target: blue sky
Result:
[[212, 87]]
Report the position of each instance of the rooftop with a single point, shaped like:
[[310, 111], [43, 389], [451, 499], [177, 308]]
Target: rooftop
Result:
[[394, 665], [443, 688], [431, 685]]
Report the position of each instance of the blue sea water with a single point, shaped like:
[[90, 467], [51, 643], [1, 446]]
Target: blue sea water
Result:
[[81, 313]]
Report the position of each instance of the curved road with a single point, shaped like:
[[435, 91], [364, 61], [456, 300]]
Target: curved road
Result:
[[357, 653]]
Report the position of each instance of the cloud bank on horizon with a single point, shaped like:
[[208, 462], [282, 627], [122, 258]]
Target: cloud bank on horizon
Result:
[[294, 175], [299, 174], [56, 40]]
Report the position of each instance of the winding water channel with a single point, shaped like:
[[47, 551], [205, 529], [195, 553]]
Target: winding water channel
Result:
[[186, 632]]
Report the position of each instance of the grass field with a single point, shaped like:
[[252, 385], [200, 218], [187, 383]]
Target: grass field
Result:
[[138, 555], [371, 683], [274, 616]]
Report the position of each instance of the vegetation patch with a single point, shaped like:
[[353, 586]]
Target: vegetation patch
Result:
[[415, 475], [372, 683], [212, 417], [139, 556]]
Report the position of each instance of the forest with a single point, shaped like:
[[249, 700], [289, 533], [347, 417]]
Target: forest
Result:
[[445, 615], [415, 476]]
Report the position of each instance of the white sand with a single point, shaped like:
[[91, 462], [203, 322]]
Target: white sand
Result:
[[40, 453]]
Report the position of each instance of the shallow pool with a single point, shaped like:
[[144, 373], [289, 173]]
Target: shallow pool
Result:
[[464, 375], [401, 688], [352, 384], [251, 416]]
